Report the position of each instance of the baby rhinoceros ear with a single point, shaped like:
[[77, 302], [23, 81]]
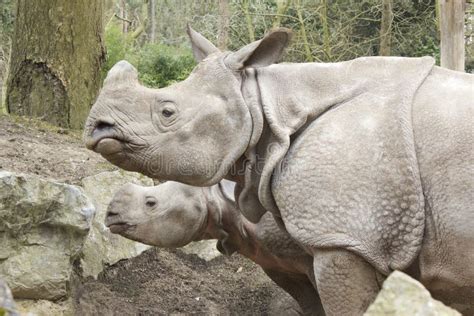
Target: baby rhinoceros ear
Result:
[[261, 53]]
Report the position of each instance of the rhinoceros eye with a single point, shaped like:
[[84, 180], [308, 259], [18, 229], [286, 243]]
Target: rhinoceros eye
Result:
[[164, 114], [167, 113], [150, 203]]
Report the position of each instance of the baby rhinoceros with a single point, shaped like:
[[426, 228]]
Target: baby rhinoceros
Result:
[[173, 214]]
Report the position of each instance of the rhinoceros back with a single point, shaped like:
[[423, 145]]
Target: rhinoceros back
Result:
[[443, 116]]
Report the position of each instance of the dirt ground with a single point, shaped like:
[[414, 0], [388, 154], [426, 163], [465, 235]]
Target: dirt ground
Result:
[[163, 282], [158, 282], [30, 146]]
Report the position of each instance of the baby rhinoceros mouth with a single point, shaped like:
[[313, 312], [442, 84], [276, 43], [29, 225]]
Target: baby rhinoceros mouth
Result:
[[115, 223], [119, 228]]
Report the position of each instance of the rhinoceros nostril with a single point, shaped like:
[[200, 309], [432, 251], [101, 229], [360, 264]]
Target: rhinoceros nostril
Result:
[[101, 128], [111, 213], [104, 124]]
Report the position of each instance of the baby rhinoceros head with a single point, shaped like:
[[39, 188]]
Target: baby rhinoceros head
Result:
[[168, 215]]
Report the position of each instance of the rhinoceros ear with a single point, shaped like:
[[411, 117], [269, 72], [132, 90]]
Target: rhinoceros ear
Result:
[[202, 47], [121, 72], [261, 53]]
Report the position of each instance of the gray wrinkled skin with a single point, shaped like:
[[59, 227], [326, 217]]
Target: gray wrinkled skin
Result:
[[173, 214], [366, 163]]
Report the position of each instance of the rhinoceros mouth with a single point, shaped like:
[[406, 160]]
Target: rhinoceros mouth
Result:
[[119, 227], [108, 146], [104, 139]]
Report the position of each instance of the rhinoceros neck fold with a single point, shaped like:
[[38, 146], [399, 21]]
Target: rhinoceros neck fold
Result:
[[307, 90], [225, 223], [298, 93], [252, 97], [292, 96], [301, 92], [367, 100]]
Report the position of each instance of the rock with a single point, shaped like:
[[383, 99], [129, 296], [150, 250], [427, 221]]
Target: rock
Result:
[[45, 308], [204, 249], [7, 305], [43, 225], [102, 247], [283, 304], [403, 296]]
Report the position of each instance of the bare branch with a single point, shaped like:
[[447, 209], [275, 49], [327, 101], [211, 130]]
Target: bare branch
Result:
[[122, 19]]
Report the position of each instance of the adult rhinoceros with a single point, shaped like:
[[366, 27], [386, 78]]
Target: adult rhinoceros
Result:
[[367, 163]]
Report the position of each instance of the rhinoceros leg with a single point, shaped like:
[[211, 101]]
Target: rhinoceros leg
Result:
[[301, 289], [346, 283]]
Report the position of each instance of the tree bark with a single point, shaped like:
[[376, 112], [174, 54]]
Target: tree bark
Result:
[[452, 33], [326, 35], [307, 49], [123, 15], [152, 20], [282, 7], [248, 19], [386, 28], [2, 74], [57, 54], [224, 23]]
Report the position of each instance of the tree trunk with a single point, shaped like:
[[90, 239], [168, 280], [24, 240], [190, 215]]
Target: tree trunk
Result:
[[307, 49], [57, 54], [326, 35], [2, 74], [152, 20], [248, 19], [282, 7], [123, 15], [224, 22], [452, 34], [386, 28]]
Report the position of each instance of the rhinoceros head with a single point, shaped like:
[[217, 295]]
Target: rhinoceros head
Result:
[[170, 215], [192, 131]]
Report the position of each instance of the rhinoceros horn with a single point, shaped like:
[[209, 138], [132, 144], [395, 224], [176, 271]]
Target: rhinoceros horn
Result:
[[121, 72]]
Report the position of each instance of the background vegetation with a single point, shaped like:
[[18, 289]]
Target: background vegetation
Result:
[[324, 30], [150, 33]]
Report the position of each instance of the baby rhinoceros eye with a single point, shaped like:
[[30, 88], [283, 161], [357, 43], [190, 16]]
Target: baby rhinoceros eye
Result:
[[167, 113], [150, 203]]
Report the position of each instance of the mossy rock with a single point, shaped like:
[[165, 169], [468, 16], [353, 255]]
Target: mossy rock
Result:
[[43, 226]]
